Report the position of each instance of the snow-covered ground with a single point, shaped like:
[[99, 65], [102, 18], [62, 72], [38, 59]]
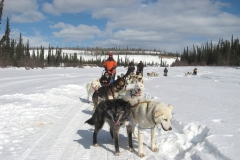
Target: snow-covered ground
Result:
[[88, 55], [42, 115]]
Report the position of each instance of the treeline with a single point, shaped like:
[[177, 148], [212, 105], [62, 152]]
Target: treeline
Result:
[[15, 53], [224, 53]]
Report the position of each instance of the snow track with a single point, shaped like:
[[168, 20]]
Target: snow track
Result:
[[57, 138]]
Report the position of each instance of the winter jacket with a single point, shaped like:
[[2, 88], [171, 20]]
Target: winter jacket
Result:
[[104, 80], [110, 65], [195, 71], [165, 70], [140, 67], [131, 69]]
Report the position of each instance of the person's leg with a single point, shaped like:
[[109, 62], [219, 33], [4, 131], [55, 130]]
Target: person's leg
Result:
[[113, 78]]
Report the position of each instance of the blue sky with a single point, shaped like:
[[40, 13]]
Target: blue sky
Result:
[[168, 25]]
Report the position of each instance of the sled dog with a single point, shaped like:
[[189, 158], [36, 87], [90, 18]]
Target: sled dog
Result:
[[113, 112], [152, 74], [140, 78], [92, 86], [188, 74], [109, 92], [133, 78], [132, 91], [147, 114]]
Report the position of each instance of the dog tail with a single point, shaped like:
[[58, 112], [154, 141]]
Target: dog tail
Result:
[[90, 121]]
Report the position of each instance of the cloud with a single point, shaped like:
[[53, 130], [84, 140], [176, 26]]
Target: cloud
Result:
[[34, 41], [169, 24], [22, 11], [58, 7], [71, 33], [31, 16]]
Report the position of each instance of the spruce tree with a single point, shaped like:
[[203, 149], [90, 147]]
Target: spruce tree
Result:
[[20, 52], [1, 9]]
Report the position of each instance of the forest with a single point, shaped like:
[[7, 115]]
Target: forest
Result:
[[224, 53]]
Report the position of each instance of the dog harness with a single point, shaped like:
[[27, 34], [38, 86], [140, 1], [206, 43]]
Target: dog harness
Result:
[[135, 105], [118, 88], [137, 125]]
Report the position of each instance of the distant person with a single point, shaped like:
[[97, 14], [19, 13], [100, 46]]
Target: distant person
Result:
[[140, 68], [165, 71], [110, 66], [105, 79], [131, 69], [195, 71]]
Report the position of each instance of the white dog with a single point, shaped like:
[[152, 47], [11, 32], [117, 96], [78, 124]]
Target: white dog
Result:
[[152, 74], [92, 86], [147, 114], [132, 91], [140, 78], [188, 74]]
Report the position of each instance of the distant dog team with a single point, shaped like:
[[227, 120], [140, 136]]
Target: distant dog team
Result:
[[152, 74]]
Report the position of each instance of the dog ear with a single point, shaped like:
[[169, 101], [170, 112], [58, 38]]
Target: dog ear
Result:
[[118, 76], [158, 113], [170, 106]]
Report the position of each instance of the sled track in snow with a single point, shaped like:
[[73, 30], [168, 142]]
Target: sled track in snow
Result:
[[57, 144]]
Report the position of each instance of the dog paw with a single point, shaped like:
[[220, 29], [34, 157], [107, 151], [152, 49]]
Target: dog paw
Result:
[[117, 154], [135, 136], [141, 155], [131, 150], [96, 145], [155, 149]]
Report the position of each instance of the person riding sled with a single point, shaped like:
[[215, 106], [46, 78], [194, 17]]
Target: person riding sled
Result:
[[105, 79], [195, 71], [110, 66], [131, 69], [165, 71], [139, 68]]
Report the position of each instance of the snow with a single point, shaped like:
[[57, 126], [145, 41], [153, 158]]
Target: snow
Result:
[[42, 115]]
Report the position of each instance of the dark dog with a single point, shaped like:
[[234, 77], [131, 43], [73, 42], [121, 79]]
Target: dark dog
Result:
[[108, 92], [114, 112]]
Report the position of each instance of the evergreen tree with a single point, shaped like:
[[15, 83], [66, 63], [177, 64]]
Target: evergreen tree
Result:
[[20, 52], [12, 53], [1, 9], [27, 54]]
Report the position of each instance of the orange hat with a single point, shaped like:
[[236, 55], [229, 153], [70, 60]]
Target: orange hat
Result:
[[110, 53]]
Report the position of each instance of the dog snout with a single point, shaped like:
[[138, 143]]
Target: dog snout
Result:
[[170, 128], [115, 119]]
